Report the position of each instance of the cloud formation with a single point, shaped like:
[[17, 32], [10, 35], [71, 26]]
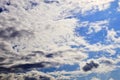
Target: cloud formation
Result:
[[32, 75], [37, 31], [90, 65]]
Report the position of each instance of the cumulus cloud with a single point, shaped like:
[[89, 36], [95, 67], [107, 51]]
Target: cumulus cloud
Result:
[[92, 6], [32, 75], [60, 37], [106, 66], [37, 31]]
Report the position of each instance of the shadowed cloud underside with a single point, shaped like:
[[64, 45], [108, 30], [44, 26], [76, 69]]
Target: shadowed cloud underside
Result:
[[59, 39]]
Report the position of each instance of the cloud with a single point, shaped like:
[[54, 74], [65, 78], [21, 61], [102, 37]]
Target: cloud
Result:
[[2, 59], [112, 35], [34, 75], [94, 78], [51, 1], [90, 65], [98, 25], [106, 66], [60, 38], [24, 67], [92, 5], [1, 10], [118, 9], [9, 33], [44, 30]]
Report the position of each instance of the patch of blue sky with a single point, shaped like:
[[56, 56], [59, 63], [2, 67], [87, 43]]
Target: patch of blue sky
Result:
[[77, 46], [98, 54], [118, 64], [92, 38], [115, 74], [100, 15], [117, 34], [116, 54], [110, 14], [64, 67], [103, 76], [114, 16]]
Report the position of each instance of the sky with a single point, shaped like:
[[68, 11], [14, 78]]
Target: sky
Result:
[[60, 39]]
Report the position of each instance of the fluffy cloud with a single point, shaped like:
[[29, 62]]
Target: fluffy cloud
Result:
[[92, 5], [32, 75], [35, 31]]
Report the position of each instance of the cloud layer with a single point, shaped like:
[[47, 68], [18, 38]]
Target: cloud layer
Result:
[[57, 32]]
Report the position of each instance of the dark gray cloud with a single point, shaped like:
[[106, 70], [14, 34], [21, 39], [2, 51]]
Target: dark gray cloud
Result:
[[12, 32], [2, 59], [4, 70], [31, 65], [107, 62], [44, 78], [25, 67], [90, 66], [30, 78], [38, 52], [49, 55], [31, 4], [31, 75], [9, 32], [21, 67], [51, 1], [1, 9]]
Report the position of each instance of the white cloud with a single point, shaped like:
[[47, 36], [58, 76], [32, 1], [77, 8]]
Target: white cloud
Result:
[[111, 79], [92, 5], [98, 25], [53, 33], [22, 76], [113, 36], [94, 27], [118, 9], [56, 33], [103, 68], [94, 78]]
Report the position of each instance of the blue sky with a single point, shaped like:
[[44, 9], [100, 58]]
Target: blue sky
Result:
[[113, 16], [63, 36]]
